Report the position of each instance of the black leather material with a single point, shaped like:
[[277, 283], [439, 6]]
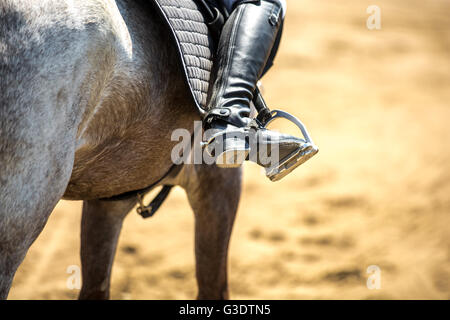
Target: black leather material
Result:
[[236, 115], [245, 45]]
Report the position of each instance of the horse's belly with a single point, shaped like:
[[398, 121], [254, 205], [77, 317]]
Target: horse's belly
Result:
[[117, 167]]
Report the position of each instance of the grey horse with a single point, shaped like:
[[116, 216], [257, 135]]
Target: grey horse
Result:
[[89, 95]]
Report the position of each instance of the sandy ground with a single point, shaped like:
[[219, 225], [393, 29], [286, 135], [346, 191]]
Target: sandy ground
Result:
[[378, 193]]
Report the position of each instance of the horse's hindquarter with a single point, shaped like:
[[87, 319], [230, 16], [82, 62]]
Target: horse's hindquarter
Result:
[[45, 62], [124, 139], [90, 92]]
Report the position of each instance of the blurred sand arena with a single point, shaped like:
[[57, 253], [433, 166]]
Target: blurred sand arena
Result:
[[378, 193]]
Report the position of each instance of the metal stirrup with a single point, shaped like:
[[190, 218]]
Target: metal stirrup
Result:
[[265, 116], [283, 114]]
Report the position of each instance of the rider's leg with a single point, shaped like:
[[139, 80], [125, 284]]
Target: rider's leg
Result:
[[244, 47]]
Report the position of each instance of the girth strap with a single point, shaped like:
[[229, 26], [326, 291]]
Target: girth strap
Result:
[[150, 210]]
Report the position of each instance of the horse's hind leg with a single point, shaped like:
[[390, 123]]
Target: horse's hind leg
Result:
[[100, 228], [214, 196], [29, 190], [17, 233]]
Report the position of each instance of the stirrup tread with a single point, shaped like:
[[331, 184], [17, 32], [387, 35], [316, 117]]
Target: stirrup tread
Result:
[[291, 162]]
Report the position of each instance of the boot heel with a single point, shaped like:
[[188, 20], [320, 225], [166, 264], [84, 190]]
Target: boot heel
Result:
[[234, 153]]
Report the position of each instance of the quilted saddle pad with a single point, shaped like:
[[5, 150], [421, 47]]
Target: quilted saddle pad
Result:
[[195, 45]]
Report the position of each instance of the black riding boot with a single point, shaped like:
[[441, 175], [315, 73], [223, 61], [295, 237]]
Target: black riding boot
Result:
[[244, 48]]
